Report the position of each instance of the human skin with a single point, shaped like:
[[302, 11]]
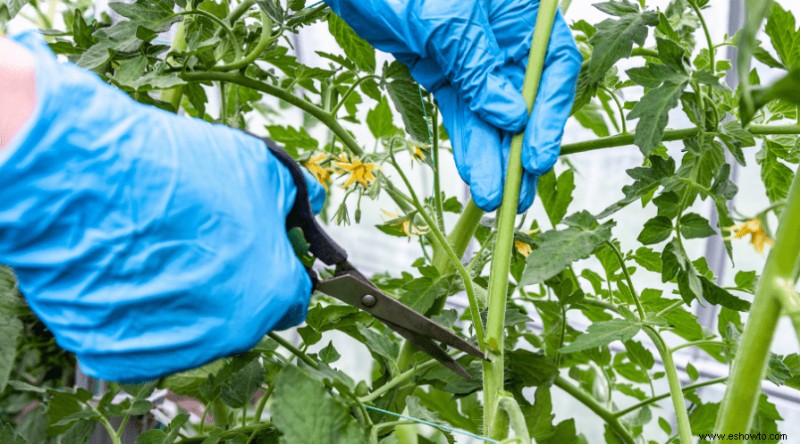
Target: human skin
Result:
[[17, 89]]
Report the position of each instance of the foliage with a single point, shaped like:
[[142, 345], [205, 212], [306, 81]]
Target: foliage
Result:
[[596, 334]]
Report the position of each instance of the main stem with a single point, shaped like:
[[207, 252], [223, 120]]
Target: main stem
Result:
[[494, 370], [750, 364]]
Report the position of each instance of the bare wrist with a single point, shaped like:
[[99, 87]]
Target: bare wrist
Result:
[[17, 89]]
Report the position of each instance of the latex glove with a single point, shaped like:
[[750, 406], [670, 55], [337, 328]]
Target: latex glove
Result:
[[472, 55], [147, 242]]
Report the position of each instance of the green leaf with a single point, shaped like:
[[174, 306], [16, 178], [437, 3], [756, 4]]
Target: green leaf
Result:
[[303, 411], [735, 138], [717, 295], [695, 226], [639, 355], [784, 35], [405, 94], [649, 259], [539, 416], [603, 333], [357, 49], [329, 354], [162, 437], [776, 176], [653, 114], [530, 369], [293, 138], [646, 180], [11, 327], [155, 15], [657, 229], [237, 390], [379, 121], [556, 250], [556, 194], [421, 293], [615, 38], [746, 280], [379, 344]]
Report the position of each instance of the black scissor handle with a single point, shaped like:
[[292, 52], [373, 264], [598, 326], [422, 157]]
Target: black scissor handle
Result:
[[321, 245]]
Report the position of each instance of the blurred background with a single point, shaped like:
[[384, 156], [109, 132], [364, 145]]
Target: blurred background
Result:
[[600, 176]]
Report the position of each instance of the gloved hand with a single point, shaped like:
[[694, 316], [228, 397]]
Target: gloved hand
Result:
[[147, 242], [472, 55]]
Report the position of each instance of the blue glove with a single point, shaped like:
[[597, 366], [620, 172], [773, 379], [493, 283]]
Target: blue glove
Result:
[[147, 242], [472, 55]]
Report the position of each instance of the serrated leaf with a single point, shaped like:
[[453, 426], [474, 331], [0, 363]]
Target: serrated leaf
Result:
[[379, 121], [555, 250], [784, 35], [357, 49], [556, 193], [614, 39], [237, 390], [405, 94], [649, 259], [603, 333], [293, 138], [657, 229], [694, 226], [776, 176], [653, 114], [530, 369], [324, 420]]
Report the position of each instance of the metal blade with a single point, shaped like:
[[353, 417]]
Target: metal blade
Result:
[[431, 349], [356, 291]]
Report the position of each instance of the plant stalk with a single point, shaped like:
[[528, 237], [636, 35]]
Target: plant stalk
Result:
[[676, 392], [494, 370], [613, 422], [750, 364]]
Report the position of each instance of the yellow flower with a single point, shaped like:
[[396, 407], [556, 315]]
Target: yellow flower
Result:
[[409, 229], [323, 174], [418, 153], [359, 171], [523, 248], [758, 236]]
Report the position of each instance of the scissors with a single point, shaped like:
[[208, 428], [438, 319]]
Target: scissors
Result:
[[351, 287]]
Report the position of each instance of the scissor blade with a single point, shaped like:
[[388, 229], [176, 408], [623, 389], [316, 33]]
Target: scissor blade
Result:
[[430, 348], [353, 290]]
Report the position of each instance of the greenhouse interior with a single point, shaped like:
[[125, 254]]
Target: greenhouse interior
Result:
[[399, 221]]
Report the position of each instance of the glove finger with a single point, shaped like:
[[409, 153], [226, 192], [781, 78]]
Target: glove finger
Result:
[[316, 192], [477, 149], [467, 55], [512, 22], [554, 102]]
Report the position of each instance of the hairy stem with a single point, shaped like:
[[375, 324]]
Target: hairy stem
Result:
[[750, 364], [397, 381], [315, 111], [494, 370], [263, 42]]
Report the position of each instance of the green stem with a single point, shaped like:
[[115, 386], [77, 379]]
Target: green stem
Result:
[[224, 26], [515, 416], [669, 308], [396, 381], [262, 403], [456, 261], [654, 399], [750, 364], [240, 10], [459, 237], [315, 111], [220, 412], [349, 91], [437, 183], [696, 343], [233, 433], [678, 403], [263, 42], [627, 274], [614, 97], [709, 41], [293, 350], [669, 136], [174, 95], [609, 417], [494, 370]]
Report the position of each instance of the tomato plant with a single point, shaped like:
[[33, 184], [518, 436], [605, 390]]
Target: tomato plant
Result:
[[602, 337]]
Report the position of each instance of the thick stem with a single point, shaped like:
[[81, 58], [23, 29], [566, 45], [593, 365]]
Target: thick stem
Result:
[[620, 431], [750, 364], [678, 403], [494, 370], [459, 237]]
